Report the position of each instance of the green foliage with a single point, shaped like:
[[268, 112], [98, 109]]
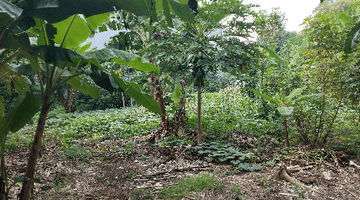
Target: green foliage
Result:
[[75, 152], [106, 101], [237, 190], [144, 158], [226, 153], [229, 110], [198, 183]]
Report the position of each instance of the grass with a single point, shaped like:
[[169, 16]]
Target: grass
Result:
[[237, 190], [198, 183]]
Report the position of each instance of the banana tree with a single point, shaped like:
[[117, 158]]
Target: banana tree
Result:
[[14, 120], [284, 104]]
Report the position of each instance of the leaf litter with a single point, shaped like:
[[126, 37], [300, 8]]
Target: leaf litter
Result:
[[121, 170]]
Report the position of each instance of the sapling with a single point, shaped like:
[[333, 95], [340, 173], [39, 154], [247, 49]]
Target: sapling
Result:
[[284, 104]]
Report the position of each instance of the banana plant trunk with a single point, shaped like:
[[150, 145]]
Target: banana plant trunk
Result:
[[285, 131], [28, 183], [3, 194], [199, 115]]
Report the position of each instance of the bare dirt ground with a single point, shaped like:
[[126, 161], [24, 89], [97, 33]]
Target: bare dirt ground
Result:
[[106, 171]]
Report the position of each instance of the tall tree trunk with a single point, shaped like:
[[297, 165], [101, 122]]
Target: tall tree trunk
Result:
[[285, 131], [199, 115], [28, 183], [68, 99]]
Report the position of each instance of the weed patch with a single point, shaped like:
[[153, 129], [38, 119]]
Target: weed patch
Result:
[[198, 183]]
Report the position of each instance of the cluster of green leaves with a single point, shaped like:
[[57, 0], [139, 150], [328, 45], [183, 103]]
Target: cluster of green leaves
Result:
[[108, 124], [225, 153]]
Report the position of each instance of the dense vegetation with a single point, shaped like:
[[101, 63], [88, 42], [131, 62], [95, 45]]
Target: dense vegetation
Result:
[[178, 73]]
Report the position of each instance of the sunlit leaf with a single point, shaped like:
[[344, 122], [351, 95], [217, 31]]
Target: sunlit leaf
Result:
[[177, 94], [285, 110], [84, 87], [266, 97], [134, 91], [71, 32]]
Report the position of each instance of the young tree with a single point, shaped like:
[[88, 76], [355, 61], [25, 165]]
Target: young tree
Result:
[[206, 45]]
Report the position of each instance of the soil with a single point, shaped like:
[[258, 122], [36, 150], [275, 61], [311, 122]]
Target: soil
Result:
[[106, 171]]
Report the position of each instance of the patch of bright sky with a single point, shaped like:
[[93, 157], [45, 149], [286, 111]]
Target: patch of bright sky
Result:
[[295, 10]]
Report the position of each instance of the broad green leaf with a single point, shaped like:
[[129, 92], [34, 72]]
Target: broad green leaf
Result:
[[256, 167], [352, 37], [83, 49], [287, 101], [167, 13], [44, 35], [266, 97], [5, 19], [71, 32], [123, 57], [16, 42], [24, 112], [285, 110], [302, 98], [82, 86], [244, 166], [300, 51], [67, 8], [134, 91], [139, 65], [177, 94], [51, 54], [102, 79], [272, 54], [105, 55], [182, 10], [292, 94], [97, 20], [12, 10]]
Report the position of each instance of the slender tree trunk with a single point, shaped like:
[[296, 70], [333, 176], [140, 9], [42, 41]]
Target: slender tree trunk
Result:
[[123, 99], [3, 194], [199, 115], [68, 99], [131, 99], [286, 132], [30, 170]]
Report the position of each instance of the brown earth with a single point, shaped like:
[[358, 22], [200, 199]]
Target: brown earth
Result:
[[105, 171]]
